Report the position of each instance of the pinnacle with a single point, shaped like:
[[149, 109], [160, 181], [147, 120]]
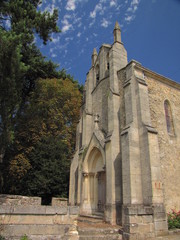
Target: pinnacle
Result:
[[117, 26], [94, 51]]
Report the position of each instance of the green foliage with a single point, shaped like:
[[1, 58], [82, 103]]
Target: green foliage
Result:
[[44, 140], [25, 237], [49, 175], [11, 72], [33, 112], [174, 219], [2, 238], [21, 63]]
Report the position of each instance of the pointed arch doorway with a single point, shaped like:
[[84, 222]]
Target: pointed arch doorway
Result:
[[94, 183]]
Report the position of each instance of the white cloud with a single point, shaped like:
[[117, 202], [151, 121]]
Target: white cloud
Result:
[[105, 23], [129, 18], [92, 23], [70, 6], [53, 55], [79, 34], [55, 39], [98, 8], [50, 8], [77, 20], [80, 24], [51, 50], [67, 16], [130, 13], [133, 6], [66, 25], [67, 39], [113, 3]]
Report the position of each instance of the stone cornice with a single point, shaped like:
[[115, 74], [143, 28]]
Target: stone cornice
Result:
[[158, 77]]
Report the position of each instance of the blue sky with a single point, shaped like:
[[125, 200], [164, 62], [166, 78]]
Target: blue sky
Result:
[[150, 33]]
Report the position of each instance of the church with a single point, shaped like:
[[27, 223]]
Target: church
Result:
[[126, 165]]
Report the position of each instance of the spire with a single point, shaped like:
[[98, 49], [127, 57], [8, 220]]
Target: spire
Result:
[[117, 33], [94, 51], [94, 56]]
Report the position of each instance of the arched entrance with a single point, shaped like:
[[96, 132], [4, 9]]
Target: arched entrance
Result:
[[94, 183]]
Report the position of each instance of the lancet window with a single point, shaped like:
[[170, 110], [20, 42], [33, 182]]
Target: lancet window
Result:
[[169, 118]]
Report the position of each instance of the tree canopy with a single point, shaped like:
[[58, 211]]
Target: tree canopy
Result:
[[45, 139], [21, 62], [39, 105]]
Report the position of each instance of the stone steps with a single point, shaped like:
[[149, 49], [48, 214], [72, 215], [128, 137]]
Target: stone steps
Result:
[[91, 219], [93, 227], [100, 237], [98, 233]]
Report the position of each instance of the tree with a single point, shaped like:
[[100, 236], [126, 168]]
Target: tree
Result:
[[21, 62], [11, 72], [44, 140]]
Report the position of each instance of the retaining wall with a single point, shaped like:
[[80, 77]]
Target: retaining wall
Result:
[[21, 215]]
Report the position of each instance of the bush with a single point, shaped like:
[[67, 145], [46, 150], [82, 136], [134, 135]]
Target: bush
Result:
[[24, 238], [2, 238], [174, 219]]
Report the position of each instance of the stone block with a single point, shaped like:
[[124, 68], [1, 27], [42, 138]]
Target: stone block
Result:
[[127, 236], [131, 228], [133, 219], [147, 219], [159, 208], [37, 210], [73, 210], [145, 228], [14, 200], [160, 225], [161, 233], [144, 210], [146, 236], [159, 216], [131, 210], [59, 202], [56, 210], [20, 230]]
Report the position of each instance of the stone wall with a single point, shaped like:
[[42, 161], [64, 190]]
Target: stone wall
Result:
[[100, 102], [25, 215], [15, 200], [159, 91]]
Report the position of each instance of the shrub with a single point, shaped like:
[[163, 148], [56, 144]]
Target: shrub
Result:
[[2, 238], [174, 219], [25, 238]]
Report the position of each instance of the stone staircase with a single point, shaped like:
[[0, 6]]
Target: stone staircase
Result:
[[94, 228]]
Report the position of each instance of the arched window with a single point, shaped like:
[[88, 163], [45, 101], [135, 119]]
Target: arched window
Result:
[[168, 116]]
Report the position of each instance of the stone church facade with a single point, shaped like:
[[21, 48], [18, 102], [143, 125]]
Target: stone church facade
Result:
[[127, 160]]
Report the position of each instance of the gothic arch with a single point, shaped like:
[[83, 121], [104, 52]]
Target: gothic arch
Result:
[[94, 182], [95, 156]]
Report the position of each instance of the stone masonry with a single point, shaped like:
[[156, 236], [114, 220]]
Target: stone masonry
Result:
[[127, 164]]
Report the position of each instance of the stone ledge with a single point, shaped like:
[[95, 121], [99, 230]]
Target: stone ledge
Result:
[[138, 210], [174, 231], [38, 210]]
